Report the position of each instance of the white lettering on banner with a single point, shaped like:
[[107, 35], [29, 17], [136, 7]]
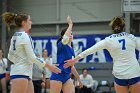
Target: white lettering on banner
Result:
[[99, 54], [40, 45], [54, 50], [79, 48], [79, 45]]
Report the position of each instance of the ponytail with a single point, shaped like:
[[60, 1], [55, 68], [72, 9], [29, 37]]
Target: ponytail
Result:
[[8, 18], [117, 24]]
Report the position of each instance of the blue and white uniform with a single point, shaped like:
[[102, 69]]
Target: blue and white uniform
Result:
[[3, 66], [122, 49], [22, 55], [64, 52]]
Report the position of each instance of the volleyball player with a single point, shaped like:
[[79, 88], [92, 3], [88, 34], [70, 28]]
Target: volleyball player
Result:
[[21, 54], [62, 81], [121, 45]]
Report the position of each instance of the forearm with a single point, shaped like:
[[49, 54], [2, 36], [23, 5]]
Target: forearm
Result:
[[69, 30], [67, 34], [98, 46], [77, 58], [75, 73], [32, 57]]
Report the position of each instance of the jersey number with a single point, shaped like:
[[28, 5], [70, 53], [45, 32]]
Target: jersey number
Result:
[[14, 44], [122, 41]]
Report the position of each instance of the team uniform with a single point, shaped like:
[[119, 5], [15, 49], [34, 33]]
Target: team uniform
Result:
[[3, 66], [64, 52], [126, 69], [22, 55]]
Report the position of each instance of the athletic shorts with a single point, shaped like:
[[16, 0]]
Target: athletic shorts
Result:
[[19, 76], [2, 75], [126, 82], [63, 77]]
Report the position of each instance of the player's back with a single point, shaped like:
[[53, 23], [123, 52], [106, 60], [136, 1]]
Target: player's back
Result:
[[122, 46], [122, 49]]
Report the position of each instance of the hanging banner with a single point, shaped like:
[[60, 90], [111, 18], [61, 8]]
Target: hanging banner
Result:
[[80, 43]]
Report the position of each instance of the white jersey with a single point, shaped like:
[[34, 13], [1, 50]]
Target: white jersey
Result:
[[87, 81], [22, 55], [122, 49], [3, 65]]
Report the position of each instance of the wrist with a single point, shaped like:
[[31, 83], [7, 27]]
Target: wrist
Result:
[[78, 79]]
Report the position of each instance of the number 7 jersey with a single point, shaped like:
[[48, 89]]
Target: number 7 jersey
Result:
[[122, 49]]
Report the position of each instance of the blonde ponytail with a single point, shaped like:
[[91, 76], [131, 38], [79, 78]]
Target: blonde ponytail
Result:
[[8, 18]]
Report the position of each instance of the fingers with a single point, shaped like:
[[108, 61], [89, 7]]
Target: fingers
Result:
[[66, 65], [56, 64], [66, 61], [54, 69], [57, 70], [68, 18]]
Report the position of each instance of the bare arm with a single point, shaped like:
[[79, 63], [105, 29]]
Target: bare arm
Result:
[[67, 34], [75, 73], [98, 46]]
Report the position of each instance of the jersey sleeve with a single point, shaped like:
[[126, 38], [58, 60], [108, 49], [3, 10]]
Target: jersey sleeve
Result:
[[29, 51], [98, 46], [138, 43]]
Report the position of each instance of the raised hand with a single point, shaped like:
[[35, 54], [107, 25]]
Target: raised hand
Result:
[[69, 20]]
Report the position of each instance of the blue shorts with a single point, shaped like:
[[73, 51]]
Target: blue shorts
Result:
[[126, 82], [2, 75], [19, 76], [63, 77]]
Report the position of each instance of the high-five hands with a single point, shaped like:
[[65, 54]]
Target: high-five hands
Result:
[[68, 63], [53, 68]]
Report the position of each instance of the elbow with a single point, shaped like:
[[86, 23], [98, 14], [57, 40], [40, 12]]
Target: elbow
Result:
[[65, 41]]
